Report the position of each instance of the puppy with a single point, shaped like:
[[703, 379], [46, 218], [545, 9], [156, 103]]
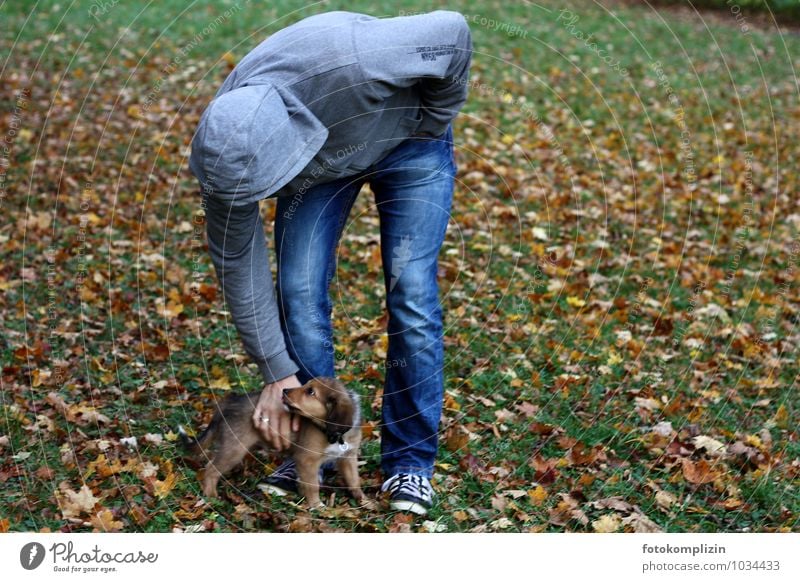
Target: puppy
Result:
[[329, 429]]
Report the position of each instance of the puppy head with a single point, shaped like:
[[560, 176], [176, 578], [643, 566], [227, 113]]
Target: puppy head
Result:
[[325, 400]]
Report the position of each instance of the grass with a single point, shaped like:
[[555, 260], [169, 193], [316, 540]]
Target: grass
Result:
[[531, 371]]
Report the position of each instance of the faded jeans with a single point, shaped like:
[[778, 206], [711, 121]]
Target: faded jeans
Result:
[[413, 188]]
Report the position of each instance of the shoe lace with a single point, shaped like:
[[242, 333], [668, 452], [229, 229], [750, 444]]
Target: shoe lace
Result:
[[415, 485]]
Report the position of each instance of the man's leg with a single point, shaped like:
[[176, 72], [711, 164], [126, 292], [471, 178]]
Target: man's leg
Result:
[[307, 230], [413, 189]]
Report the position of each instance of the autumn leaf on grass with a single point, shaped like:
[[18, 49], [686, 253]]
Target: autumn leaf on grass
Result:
[[162, 488], [219, 379], [713, 447], [545, 469], [75, 503], [104, 521], [221, 383], [665, 500], [537, 495], [609, 523], [641, 523], [575, 301], [699, 472], [567, 509], [455, 439]]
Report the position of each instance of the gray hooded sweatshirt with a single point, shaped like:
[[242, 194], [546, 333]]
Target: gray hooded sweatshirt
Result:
[[319, 100]]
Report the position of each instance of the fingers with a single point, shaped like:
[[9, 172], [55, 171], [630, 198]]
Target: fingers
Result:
[[271, 418], [275, 428]]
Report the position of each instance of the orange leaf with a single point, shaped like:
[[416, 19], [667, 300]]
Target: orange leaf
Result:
[[699, 472]]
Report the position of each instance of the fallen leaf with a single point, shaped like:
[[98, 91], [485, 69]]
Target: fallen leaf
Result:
[[75, 503], [665, 500], [538, 495], [641, 523], [699, 472], [104, 521], [713, 447], [608, 523]]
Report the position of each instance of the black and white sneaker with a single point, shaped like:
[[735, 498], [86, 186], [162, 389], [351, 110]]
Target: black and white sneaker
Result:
[[283, 480], [409, 492]]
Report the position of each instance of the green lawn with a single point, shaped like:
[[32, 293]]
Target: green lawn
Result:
[[620, 277]]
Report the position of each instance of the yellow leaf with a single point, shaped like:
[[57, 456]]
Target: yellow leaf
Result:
[[220, 383], [575, 301], [781, 417], [162, 488], [538, 494], [608, 523], [104, 521], [754, 441], [614, 358]]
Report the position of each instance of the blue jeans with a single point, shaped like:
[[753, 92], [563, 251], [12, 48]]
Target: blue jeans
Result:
[[413, 188]]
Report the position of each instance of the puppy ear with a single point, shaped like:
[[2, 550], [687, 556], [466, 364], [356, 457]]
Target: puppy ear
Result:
[[340, 417]]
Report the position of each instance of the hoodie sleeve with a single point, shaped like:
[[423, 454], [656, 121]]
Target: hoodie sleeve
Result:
[[238, 251], [434, 49]]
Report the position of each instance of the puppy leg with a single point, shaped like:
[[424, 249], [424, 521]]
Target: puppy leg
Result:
[[229, 454], [348, 467], [308, 480]]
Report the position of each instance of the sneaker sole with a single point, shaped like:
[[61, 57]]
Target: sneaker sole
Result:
[[273, 489], [405, 505]]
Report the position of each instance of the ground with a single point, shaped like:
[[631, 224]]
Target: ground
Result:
[[619, 280]]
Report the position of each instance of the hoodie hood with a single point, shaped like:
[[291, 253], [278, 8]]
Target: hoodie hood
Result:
[[253, 140]]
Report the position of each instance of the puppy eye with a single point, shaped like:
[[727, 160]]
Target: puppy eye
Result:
[[310, 391]]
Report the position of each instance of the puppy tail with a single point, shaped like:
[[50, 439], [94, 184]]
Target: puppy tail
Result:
[[195, 445]]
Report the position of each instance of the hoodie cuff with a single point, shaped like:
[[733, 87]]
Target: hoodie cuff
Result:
[[277, 367]]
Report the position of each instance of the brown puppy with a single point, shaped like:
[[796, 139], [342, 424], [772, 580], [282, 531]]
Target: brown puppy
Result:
[[329, 429]]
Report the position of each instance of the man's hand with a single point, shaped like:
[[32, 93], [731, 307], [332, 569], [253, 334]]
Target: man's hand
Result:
[[271, 418]]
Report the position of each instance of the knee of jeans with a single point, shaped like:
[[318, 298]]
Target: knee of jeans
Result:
[[300, 299], [413, 297]]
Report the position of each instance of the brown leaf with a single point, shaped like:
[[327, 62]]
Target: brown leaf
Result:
[[545, 469], [616, 503], [665, 500], [455, 439], [699, 472], [75, 503], [45, 473], [499, 502], [641, 523], [139, 516]]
